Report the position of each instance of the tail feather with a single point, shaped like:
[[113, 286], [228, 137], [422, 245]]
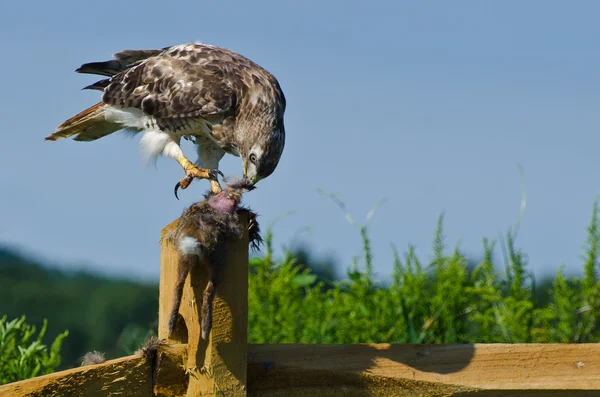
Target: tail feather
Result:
[[87, 125], [91, 124], [97, 131]]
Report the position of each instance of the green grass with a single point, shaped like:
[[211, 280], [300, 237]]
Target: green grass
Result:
[[443, 300], [446, 299], [23, 356]]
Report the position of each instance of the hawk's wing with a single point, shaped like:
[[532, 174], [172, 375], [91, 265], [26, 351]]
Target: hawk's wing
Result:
[[123, 60], [182, 81]]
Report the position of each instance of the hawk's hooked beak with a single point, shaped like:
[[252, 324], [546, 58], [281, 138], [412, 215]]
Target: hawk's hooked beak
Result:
[[253, 179]]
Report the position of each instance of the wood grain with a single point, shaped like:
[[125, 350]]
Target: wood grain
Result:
[[217, 366], [127, 376], [158, 374], [424, 370]]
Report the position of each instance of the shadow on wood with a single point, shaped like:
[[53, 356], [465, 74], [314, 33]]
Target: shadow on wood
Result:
[[424, 370]]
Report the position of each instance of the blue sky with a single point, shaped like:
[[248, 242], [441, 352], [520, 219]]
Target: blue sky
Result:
[[428, 105]]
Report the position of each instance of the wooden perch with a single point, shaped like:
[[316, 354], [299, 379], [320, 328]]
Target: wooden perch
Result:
[[127, 376], [424, 370], [218, 364], [345, 370]]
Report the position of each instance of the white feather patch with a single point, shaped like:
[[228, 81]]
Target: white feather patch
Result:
[[128, 117], [155, 143]]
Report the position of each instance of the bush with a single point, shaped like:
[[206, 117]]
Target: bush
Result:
[[24, 356], [446, 300]]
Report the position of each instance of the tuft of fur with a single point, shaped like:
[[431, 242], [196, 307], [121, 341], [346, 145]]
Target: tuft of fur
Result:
[[87, 125], [150, 347], [91, 358], [149, 350], [255, 239], [211, 222]]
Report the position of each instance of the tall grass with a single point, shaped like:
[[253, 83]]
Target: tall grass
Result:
[[22, 354], [438, 301]]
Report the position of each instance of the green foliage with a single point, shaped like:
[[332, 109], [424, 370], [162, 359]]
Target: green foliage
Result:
[[23, 355], [443, 300], [439, 298], [101, 313]]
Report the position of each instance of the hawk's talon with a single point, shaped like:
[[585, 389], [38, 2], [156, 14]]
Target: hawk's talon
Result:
[[177, 186], [200, 173], [184, 183], [214, 173]]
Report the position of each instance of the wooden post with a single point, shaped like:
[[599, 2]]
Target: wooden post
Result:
[[218, 366]]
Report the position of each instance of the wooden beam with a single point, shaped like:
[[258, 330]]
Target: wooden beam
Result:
[[115, 377], [127, 376], [424, 370], [217, 366]]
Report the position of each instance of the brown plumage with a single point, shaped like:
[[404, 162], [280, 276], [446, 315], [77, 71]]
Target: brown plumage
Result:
[[220, 100], [201, 236]]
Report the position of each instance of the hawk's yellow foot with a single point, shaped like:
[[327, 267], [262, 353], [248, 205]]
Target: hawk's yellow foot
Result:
[[191, 172]]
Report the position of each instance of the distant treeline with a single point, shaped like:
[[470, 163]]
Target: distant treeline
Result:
[[447, 299], [100, 313]]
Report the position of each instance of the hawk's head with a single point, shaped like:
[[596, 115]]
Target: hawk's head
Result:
[[263, 151], [260, 128], [260, 133]]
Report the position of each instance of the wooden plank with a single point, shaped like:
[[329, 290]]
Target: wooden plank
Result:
[[127, 376], [217, 366], [424, 370]]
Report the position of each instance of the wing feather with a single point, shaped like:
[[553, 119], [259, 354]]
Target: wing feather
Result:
[[183, 81], [123, 60]]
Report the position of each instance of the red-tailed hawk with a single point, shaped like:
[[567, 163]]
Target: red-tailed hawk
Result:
[[218, 99]]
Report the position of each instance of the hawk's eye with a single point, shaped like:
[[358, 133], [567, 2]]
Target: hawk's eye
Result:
[[253, 158]]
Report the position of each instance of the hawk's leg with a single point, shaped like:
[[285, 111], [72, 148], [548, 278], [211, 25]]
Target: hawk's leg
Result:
[[209, 155], [156, 142], [192, 171]]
